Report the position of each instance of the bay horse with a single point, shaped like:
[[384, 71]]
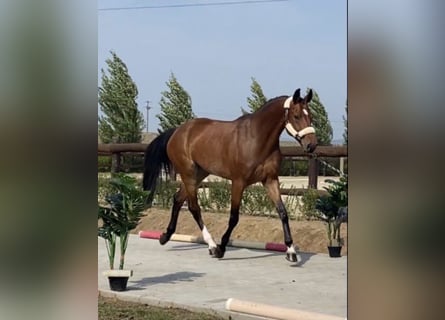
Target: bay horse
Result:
[[245, 151]]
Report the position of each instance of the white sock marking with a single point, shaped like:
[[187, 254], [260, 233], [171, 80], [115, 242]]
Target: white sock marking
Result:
[[291, 250], [208, 238]]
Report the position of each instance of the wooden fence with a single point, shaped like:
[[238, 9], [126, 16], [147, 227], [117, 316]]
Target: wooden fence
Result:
[[115, 150]]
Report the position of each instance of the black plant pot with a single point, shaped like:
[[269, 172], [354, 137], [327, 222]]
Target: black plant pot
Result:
[[118, 283], [335, 251]]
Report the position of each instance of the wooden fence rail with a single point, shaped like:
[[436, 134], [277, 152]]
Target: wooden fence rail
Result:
[[287, 151], [115, 150]]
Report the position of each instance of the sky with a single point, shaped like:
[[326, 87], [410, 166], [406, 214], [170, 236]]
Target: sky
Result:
[[214, 51]]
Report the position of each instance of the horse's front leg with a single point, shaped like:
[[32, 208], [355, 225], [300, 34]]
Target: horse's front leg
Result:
[[273, 190]]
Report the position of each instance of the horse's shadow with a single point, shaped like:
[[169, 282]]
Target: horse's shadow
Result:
[[268, 254], [182, 247], [170, 278], [305, 257]]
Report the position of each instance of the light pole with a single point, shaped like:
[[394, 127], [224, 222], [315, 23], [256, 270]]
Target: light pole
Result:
[[148, 109]]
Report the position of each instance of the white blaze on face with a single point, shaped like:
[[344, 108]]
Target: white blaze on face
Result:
[[208, 238], [305, 112]]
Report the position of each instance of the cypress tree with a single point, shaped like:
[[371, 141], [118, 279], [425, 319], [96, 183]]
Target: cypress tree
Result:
[[176, 105], [121, 120], [320, 120], [257, 99]]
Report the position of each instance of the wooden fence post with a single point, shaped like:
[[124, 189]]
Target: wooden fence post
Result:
[[342, 165], [313, 172], [115, 159], [115, 162]]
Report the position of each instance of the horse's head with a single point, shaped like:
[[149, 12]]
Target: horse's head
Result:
[[298, 120]]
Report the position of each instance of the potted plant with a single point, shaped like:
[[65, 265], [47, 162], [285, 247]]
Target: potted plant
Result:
[[122, 212], [333, 209]]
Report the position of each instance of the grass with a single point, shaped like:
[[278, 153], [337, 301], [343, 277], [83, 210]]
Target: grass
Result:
[[114, 309]]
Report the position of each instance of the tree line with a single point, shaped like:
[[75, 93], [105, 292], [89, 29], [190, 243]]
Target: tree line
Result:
[[122, 122]]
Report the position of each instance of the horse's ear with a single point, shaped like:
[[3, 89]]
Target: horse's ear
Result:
[[308, 97], [296, 97]]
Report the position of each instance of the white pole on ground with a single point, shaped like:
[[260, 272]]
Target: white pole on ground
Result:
[[279, 313]]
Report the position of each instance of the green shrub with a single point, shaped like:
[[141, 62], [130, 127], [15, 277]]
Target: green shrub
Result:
[[103, 163], [292, 204], [219, 195], [204, 200], [255, 201], [103, 186], [307, 205], [164, 193]]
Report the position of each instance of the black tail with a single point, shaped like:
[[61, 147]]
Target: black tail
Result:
[[156, 158]]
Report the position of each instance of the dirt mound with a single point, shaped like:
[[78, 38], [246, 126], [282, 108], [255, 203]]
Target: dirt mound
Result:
[[309, 236]]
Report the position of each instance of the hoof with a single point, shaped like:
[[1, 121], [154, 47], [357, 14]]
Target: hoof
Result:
[[291, 257], [219, 252], [163, 239], [212, 251]]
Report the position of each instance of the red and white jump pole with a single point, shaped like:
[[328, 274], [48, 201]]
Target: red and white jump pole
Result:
[[270, 246]]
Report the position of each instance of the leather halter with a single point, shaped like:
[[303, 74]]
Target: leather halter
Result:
[[289, 128]]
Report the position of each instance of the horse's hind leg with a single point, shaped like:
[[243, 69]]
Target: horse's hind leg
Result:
[[237, 192], [178, 201], [191, 186]]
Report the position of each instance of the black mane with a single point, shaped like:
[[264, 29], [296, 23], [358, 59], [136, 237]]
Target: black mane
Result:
[[263, 107]]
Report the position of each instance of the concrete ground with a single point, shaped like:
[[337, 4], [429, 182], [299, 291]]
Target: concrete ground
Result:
[[184, 275]]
